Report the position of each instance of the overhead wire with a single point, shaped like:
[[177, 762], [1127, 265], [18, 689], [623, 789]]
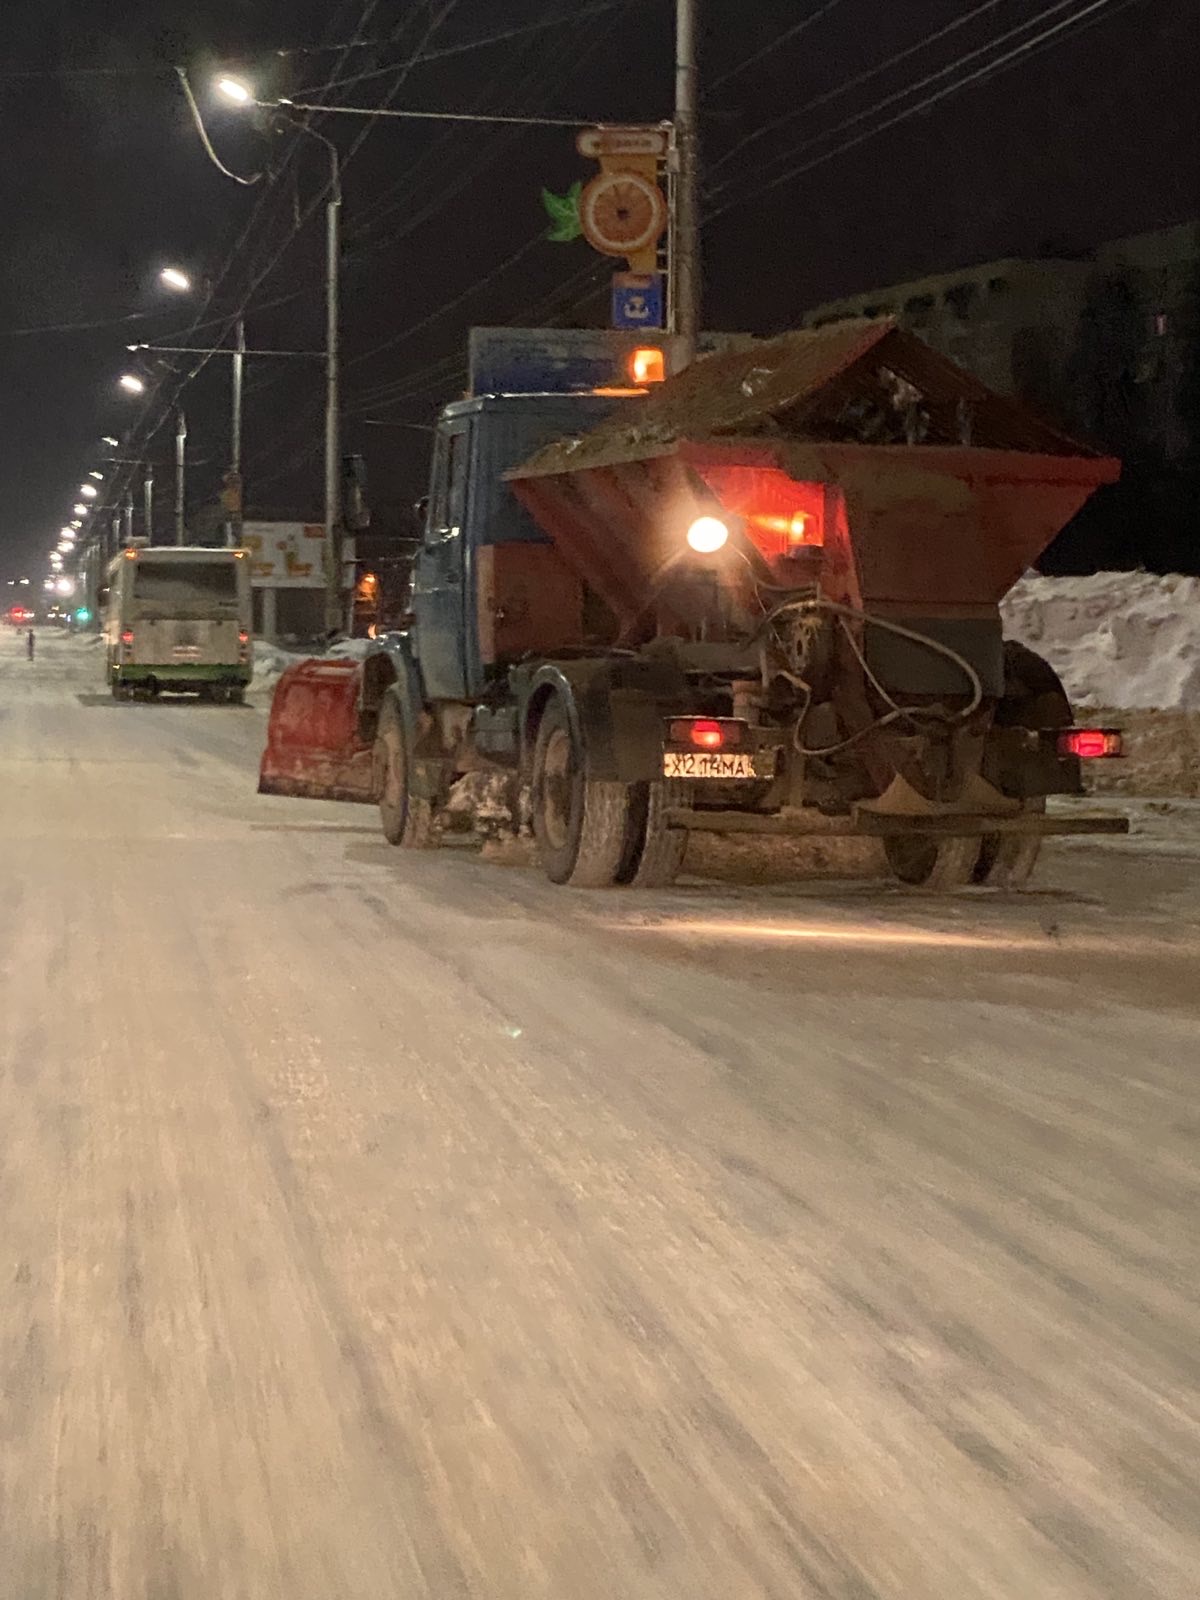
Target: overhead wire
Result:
[[141, 430], [514, 85], [930, 78], [776, 43], [436, 18], [848, 85], [447, 369], [494, 38], [989, 69]]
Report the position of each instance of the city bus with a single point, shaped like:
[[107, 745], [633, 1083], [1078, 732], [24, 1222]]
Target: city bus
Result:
[[179, 620]]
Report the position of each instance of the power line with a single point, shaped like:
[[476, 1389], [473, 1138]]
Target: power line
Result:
[[850, 84], [401, 74], [988, 70], [781, 39], [490, 39], [142, 429], [914, 88], [514, 85]]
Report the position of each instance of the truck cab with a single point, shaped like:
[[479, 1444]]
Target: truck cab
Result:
[[489, 585]]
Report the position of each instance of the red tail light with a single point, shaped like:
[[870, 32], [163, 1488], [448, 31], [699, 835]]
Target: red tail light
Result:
[[243, 636], [127, 636], [1090, 744], [706, 733]]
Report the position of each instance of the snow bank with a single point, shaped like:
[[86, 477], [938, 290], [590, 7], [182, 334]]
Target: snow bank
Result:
[[1119, 639], [271, 661], [350, 649], [270, 664]]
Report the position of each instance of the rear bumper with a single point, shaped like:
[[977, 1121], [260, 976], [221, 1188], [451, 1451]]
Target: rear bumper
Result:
[[876, 825], [182, 672]]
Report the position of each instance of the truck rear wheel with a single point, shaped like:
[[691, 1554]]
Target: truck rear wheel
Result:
[[935, 864], [407, 819], [1006, 860], [654, 852], [581, 824]]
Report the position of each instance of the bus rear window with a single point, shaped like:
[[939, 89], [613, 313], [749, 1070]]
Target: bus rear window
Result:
[[172, 583]]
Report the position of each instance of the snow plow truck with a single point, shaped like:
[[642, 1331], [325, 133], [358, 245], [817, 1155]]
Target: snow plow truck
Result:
[[759, 596]]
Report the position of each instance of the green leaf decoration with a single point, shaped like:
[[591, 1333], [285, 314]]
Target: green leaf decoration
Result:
[[563, 211]]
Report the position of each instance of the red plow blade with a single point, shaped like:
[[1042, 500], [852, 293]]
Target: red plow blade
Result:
[[314, 749]]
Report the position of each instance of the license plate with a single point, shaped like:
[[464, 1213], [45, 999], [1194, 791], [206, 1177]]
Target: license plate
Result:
[[708, 764], [186, 652]]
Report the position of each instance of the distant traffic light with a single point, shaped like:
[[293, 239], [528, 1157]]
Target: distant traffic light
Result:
[[83, 615]]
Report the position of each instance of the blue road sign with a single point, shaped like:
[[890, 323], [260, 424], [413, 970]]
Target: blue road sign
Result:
[[638, 300]]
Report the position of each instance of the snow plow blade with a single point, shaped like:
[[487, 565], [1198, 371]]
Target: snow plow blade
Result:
[[314, 748]]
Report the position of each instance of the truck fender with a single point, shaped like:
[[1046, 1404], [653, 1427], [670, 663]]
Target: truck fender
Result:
[[391, 661], [616, 707], [428, 771]]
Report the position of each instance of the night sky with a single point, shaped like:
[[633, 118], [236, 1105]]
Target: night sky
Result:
[[104, 180]]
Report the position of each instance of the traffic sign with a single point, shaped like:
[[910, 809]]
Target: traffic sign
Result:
[[623, 141], [638, 300]]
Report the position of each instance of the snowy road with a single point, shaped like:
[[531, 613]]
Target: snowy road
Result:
[[386, 1226]]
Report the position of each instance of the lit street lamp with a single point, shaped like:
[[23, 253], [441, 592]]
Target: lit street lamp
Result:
[[132, 384], [88, 491], [80, 511], [175, 279], [99, 476], [240, 93], [234, 89], [109, 440]]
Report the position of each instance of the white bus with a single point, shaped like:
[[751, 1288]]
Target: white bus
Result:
[[179, 620]]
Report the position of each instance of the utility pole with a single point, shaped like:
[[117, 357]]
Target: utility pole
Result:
[[127, 513], [148, 501], [687, 184], [180, 475], [235, 461], [333, 553]]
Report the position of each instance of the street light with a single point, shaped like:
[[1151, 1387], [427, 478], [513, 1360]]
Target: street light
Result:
[[88, 491], [109, 440], [175, 278], [132, 384], [240, 94], [234, 89], [77, 523], [80, 511], [99, 476]]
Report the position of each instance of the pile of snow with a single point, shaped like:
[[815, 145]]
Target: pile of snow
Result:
[[270, 664], [271, 661], [350, 649], [1120, 639]]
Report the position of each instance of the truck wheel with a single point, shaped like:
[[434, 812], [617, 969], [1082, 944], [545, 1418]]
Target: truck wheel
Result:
[[654, 852], [1006, 860], [581, 824], [407, 819], [935, 864]]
